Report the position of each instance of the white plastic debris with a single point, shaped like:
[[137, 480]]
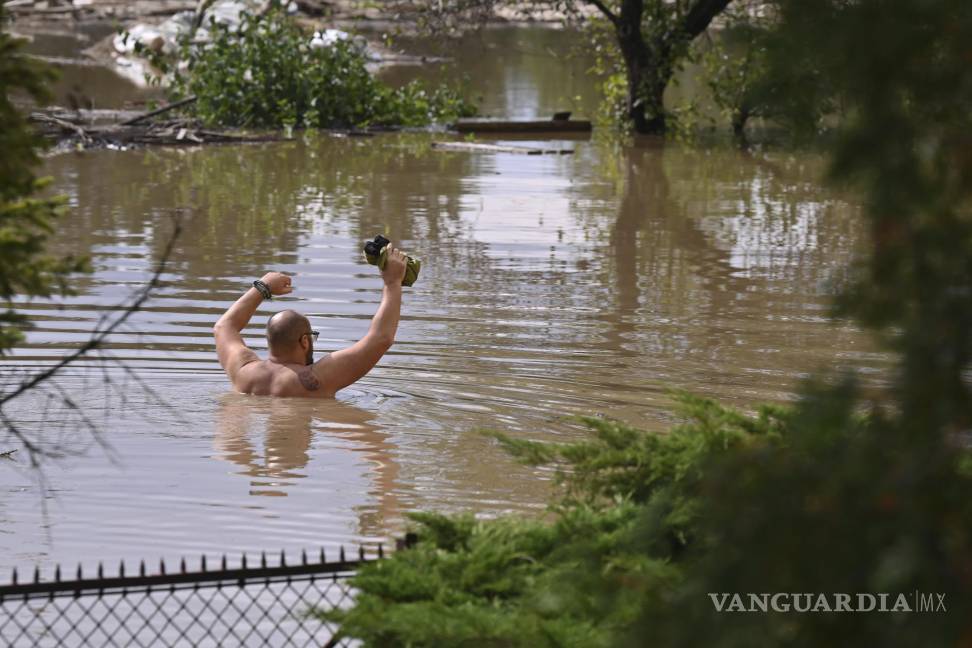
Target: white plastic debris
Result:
[[328, 37], [148, 36]]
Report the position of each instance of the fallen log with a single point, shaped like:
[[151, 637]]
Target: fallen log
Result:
[[63, 125], [495, 148]]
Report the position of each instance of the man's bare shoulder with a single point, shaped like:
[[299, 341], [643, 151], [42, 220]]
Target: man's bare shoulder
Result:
[[274, 379]]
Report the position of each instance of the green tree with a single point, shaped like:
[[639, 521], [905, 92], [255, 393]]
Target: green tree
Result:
[[26, 219], [652, 39], [738, 68]]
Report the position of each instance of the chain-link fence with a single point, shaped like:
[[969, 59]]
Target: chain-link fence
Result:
[[244, 605]]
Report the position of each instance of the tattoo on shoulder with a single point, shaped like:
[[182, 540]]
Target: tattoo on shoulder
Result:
[[307, 379]]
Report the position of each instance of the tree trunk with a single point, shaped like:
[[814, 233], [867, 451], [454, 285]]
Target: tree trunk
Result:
[[650, 70], [646, 70], [646, 91]]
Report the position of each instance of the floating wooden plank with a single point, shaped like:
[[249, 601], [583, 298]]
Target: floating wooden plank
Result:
[[537, 126], [494, 148]]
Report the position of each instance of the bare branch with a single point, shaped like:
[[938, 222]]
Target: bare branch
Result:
[[603, 8], [98, 338], [45, 379]]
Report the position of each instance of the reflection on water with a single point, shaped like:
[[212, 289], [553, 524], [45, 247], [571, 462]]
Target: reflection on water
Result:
[[511, 72], [270, 440], [551, 286], [80, 82]]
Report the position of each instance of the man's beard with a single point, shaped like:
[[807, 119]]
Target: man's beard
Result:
[[309, 360]]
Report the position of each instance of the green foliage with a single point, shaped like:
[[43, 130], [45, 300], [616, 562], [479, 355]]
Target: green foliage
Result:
[[609, 67], [847, 505], [25, 221], [903, 142], [739, 71], [622, 462], [637, 74], [878, 504], [735, 70], [267, 74], [579, 580]]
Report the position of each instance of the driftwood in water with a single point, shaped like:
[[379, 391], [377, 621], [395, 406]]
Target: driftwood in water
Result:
[[494, 148], [536, 126], [92, 127]]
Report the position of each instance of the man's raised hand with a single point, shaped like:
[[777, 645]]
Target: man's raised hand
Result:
[[278, 282], [394, 270]]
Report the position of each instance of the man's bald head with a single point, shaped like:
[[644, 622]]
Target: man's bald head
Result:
[[284, 331]]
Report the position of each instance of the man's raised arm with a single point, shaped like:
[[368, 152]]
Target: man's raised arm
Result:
[[232, 352], [342, 368]]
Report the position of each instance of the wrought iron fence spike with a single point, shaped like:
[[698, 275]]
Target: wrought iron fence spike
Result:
[[202, 562], [381, 550], [79, 572], [360, 552], [244, 560], [121, 568], [323, 557], [224, 562], [141, 568], [283, 558], [101, 571], [341, 555], [162, 566], [13, 577], [57, 573], [303, 556], [36, 574], [182, 565], [263, 559]]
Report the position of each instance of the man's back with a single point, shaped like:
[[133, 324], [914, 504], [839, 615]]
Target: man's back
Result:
[[267, 378]]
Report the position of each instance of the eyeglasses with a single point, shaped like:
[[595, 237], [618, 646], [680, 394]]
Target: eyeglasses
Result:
[[313, 334]]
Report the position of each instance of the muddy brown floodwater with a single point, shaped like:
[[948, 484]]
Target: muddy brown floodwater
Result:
[[551, 286]]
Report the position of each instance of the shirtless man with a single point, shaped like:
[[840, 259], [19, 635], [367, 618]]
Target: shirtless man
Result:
[[290, 370]]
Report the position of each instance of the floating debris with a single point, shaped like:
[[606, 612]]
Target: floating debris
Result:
[[495, 148]]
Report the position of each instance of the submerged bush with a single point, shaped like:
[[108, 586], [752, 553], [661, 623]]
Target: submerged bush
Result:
[[268, 74]]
